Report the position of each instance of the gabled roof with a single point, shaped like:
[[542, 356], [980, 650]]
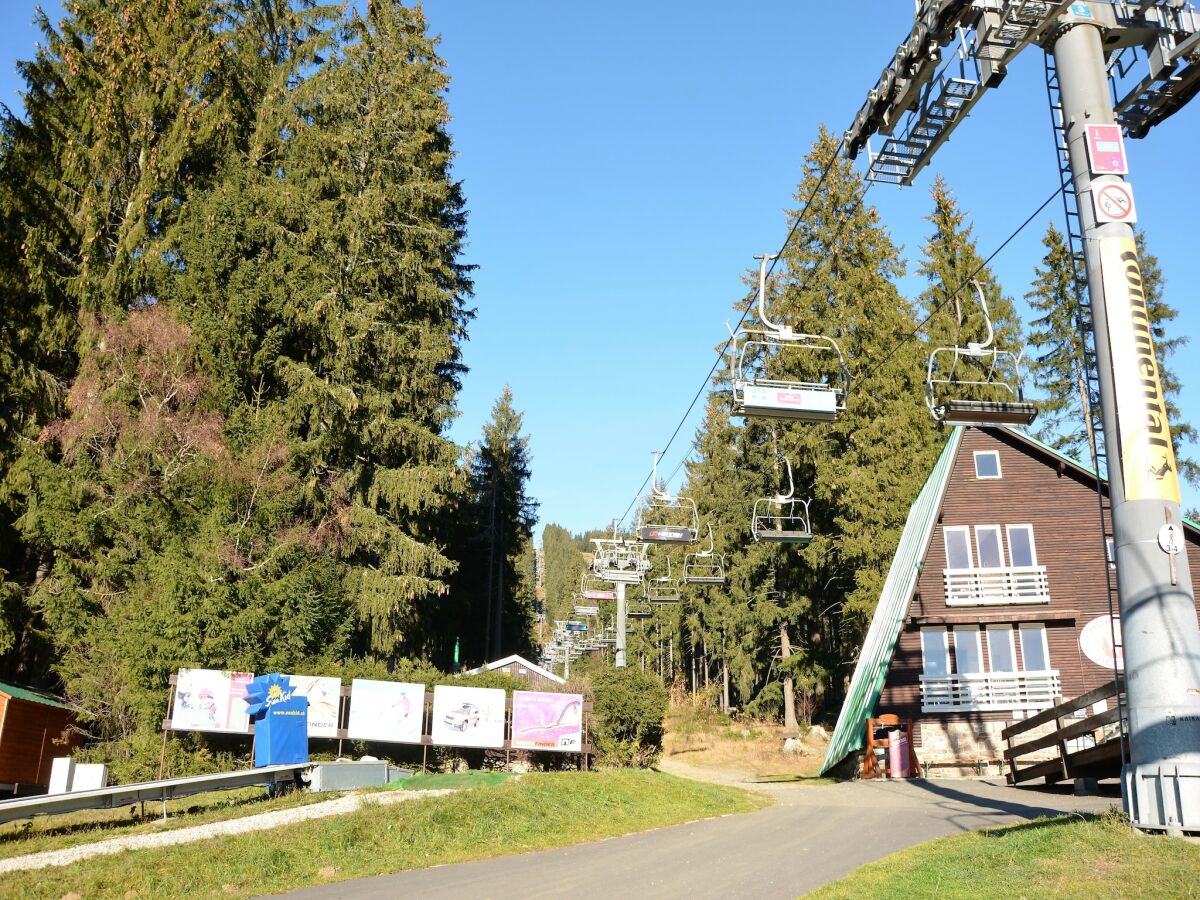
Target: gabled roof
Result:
[[501, 663], [880, 641], [32, 696]]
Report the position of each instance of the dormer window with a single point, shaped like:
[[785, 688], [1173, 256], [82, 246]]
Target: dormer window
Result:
[[987, 464]]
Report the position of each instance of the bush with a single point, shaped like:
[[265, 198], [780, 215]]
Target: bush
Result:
[[629, 708]]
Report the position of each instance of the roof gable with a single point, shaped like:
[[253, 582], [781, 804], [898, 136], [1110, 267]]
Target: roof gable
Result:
[[31, 696], [884, 630], [533, 667]]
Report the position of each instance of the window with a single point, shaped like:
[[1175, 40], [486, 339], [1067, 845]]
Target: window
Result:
[[968, 650], [987, 542], [1034, 652], [1110, 551], [1001, 652], [987, 464], [935, 652], [958, 547], [1021, 551]]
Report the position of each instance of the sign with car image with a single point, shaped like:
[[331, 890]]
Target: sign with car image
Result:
[[468, 717], [542, 721]]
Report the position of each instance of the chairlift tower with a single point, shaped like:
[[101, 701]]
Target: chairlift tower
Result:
[[1115, 70], [621, 561]]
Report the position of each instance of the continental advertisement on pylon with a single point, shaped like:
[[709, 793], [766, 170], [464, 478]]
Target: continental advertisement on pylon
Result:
[[1147, 457]]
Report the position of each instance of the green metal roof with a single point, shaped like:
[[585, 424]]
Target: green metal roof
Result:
[[876, 654], [32, 696]]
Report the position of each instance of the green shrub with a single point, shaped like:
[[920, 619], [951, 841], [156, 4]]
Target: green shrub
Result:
[[629, 708]]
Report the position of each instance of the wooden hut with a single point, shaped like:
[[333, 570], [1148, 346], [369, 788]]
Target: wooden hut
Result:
[[34, 728]]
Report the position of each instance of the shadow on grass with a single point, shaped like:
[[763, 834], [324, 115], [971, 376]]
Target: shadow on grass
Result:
[[1000, 831]]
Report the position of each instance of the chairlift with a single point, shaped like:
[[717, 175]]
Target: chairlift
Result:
[[620, 560], [704, 566], [782, 519], [756, 352], [977, 384], [664, 589], [594, 590], [661, 502]]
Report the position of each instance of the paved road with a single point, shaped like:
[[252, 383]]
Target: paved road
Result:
[[811, 836]]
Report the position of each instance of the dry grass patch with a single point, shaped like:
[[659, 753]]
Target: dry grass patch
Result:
[[703, 737]]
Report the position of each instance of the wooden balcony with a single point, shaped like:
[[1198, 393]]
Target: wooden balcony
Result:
[[1013, 585], [990, 690]]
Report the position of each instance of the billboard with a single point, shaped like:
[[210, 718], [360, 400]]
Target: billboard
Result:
[[210, 700], [324, 696], [542, 721], [468, 717], [392, 711]]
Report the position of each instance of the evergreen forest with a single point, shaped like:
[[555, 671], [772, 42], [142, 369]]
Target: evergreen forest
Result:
[[236, 299]]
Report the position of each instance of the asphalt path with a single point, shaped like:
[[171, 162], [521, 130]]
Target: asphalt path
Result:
[[809, 837]]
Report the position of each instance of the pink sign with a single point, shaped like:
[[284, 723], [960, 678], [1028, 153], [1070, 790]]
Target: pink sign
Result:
[[543, 721]]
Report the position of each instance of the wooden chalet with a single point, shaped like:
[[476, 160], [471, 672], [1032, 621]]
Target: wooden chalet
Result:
[[534, 675], [996, 604], [34, 728]]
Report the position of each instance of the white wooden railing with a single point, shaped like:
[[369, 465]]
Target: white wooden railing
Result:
[[990, 690], [990, 587]]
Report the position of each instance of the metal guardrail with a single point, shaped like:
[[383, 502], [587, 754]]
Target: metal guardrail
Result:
[[990, 690], [996, 587], [146, 791]]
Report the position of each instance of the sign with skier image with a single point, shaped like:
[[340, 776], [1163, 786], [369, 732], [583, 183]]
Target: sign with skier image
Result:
[[391, 711]]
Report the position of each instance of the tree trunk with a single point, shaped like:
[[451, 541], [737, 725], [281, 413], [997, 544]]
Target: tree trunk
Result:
[[724, 687], [789, 686]]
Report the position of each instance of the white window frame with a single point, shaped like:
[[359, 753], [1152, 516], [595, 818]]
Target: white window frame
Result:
[[977, 638], [946, 529], [999, 545], [1110, 552], [999, 472], [945, 652], [1012, 650], [1032, 544], [1029, 628]]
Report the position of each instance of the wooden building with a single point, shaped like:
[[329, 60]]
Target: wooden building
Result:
[[34, 728], [534, 675], [996, 605]]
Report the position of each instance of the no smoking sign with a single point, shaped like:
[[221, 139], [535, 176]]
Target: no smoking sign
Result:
[[1113, 201]]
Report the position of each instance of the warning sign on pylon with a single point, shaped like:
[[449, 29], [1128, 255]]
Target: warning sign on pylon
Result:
[[1113, 201]]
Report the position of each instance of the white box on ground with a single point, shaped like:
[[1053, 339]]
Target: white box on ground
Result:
[[62, 770], [90, 777]]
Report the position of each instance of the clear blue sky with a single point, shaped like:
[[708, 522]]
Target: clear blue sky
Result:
[[624, 161]]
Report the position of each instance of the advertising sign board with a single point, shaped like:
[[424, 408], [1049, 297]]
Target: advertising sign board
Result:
[[543, 721], [386, 711], [210, 700], [323, 702], [468, 717]]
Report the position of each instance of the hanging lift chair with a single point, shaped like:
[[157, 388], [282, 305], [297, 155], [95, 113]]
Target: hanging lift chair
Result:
[[664, 589], [620, 560], [704, 566], [663, 503], [593, 589], [757, 353], [782, 519], [978, 384]]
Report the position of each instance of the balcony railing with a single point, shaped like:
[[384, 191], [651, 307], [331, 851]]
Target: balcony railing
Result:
[[990, 690], [991, 587]]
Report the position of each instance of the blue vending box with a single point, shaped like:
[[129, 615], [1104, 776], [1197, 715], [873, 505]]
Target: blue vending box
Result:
[[280, 718]]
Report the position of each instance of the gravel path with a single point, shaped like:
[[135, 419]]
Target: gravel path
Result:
[[260, 822]]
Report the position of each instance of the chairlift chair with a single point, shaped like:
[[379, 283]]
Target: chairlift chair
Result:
[[704, 566], [661, 502], [821, 397], [593, 590], [782, 519], [664, 589], [978, 384], [620, 560]]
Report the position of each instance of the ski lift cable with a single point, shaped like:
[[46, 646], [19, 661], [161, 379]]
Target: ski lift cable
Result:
[[833, 159]]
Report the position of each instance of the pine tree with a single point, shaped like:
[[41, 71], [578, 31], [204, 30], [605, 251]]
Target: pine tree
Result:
[[1058, 362]]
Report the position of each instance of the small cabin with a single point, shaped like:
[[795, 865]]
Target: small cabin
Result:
[[535, 676], [996, 604], [34, 728]]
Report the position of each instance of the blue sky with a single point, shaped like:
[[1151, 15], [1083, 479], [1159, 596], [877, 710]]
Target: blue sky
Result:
[[623, 162]]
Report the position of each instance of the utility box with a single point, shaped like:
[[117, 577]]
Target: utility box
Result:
[[351, 776]]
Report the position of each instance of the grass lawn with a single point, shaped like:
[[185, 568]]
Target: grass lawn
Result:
[[456, 780], [91, 825], [1061, 857], [533, 812]]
